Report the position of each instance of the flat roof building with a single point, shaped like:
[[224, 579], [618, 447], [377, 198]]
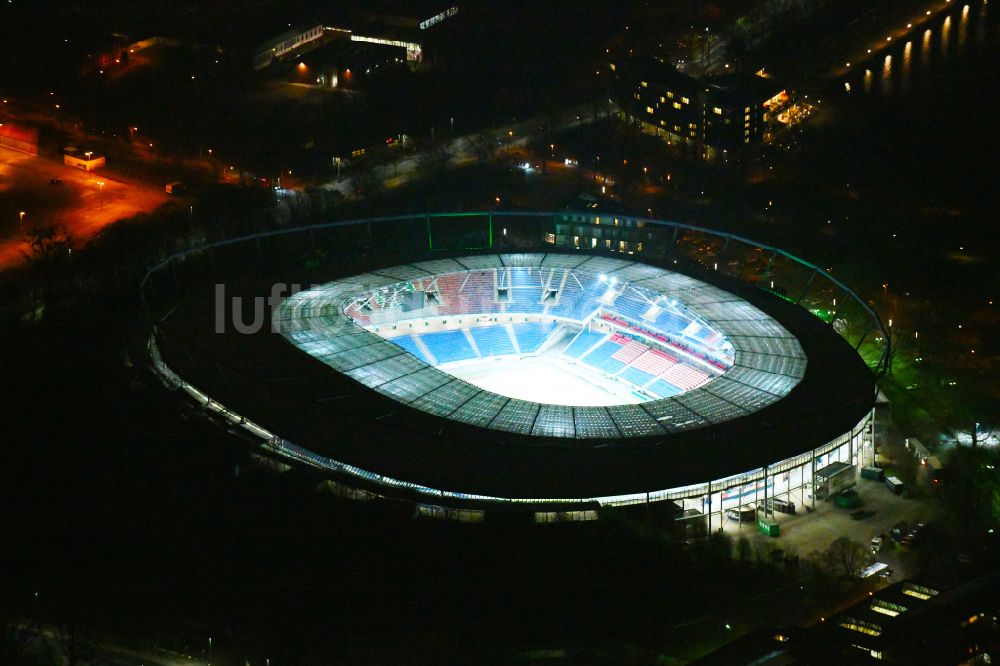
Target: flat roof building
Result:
[[715, 115]]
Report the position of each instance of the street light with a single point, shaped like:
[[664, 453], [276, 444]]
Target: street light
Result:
[[20, 219]]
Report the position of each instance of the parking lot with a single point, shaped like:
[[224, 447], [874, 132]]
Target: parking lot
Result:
[[51, 193], [879, 510]]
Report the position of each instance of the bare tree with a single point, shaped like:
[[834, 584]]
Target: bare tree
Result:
[[17, 637], [47, 245], [743, 550], [76, 645], [845, 556], [484, 143]]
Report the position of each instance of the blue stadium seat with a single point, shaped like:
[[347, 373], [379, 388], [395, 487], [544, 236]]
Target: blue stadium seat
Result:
[[409, 343], [584, 341], [631, 305], [670, 323], [448, 346], [574, 302], [492, 340], [663, 389], [601, 359], [636, 376], [526, 300], [530, 336]]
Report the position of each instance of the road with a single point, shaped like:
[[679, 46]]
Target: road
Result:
[[84, 203], [459, 151], [50, 642]]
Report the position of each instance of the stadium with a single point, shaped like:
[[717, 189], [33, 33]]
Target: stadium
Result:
[[482, 363]]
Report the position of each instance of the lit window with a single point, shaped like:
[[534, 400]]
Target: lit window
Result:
[[685, 100], [643, 84], [550, 239], [887, 608], [677, 105], [612, 66], [861, 626], [649, 109], [918, 591], [670, 94], [717, 110]]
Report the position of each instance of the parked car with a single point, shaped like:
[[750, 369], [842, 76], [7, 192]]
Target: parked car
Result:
[[747, 514]]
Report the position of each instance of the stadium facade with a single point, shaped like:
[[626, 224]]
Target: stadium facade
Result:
[[722, 392]]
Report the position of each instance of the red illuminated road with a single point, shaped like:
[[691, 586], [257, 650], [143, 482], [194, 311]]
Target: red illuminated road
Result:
[[80, 202]]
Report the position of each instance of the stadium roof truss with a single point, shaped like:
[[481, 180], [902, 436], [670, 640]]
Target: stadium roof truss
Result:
[[768, 361]]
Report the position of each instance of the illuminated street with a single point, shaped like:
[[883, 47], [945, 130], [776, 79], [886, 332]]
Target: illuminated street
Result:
[[83, 203]]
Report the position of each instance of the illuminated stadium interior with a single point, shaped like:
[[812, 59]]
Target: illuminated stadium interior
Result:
[[551, 345]]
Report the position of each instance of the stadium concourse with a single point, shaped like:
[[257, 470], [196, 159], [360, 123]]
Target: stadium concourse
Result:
[[549, 382]]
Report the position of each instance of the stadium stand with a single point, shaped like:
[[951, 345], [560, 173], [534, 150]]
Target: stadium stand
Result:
[[493, 340], [600, 357], [636, 376], [631, 351], [448, 346], [663, 388], [631, 304], [685, 377], [654, 362], [530, 336], [409, 343], [471, 292], [582, 342]]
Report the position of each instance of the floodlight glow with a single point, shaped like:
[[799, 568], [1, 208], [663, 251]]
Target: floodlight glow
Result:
[[508, 343]]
